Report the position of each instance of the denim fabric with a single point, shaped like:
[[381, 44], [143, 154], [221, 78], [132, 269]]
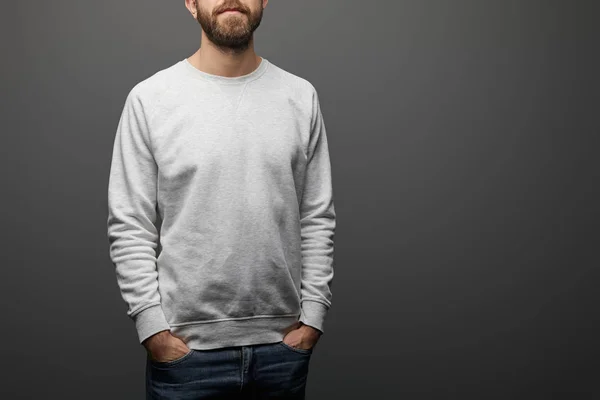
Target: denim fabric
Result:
[[262, 371]]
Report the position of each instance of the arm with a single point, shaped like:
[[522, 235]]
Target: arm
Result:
[[317, 221], [132, 233]]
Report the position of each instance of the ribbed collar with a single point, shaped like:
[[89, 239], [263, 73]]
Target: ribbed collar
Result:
[[195, 72]]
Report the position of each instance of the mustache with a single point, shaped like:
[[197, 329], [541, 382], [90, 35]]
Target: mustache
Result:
[[231, 4]]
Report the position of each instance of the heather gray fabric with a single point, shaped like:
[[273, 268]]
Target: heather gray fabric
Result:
[[239, 170]]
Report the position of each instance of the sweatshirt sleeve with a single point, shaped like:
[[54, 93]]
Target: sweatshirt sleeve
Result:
[[317, 222], [132, 234]]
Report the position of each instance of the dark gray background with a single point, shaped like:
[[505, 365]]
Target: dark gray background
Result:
[[463, 137]]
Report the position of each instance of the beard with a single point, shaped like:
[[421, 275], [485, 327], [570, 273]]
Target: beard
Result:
[[230, 32]]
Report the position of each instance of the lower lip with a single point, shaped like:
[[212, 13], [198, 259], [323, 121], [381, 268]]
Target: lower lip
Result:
[[230, 12]]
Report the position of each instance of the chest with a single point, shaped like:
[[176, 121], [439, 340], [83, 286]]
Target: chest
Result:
[[234, 134]]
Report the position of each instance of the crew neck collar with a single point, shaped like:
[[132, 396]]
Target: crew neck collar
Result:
[[195, 72]]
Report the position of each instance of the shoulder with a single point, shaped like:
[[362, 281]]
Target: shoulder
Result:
[[149, 90], [299, 88]]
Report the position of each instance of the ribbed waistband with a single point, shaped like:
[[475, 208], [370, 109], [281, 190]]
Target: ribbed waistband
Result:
[[206, 335]]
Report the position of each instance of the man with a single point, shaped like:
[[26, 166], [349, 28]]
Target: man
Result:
[[231, 152]]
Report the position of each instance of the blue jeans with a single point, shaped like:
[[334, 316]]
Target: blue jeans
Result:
[[261, 371]]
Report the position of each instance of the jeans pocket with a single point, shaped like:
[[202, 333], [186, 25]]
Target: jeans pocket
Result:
[[172, 362], [296, 349]]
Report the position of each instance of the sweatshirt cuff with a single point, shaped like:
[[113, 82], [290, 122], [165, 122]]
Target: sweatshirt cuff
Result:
[[150, 321], [313, 314]]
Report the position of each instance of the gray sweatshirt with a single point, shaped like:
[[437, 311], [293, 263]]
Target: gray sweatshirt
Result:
[[238, 170]]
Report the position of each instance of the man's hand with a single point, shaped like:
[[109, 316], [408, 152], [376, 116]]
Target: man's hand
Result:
[[164, 346], [303, 337]]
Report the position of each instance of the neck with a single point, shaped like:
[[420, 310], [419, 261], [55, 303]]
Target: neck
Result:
[[214, 60]]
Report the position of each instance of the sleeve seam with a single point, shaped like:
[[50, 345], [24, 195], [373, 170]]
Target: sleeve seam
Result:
[[147, 116], [316, 301], [142, 308]]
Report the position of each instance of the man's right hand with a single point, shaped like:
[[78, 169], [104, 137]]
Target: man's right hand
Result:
[[164, 347]]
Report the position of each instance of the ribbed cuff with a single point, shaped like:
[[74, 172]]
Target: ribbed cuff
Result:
[[313, 314], [150, 321]]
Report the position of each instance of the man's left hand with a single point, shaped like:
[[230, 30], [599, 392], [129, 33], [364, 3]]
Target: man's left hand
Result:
[[304, 337]]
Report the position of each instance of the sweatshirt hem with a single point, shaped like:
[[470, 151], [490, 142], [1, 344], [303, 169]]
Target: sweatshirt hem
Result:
[[206, 335]]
